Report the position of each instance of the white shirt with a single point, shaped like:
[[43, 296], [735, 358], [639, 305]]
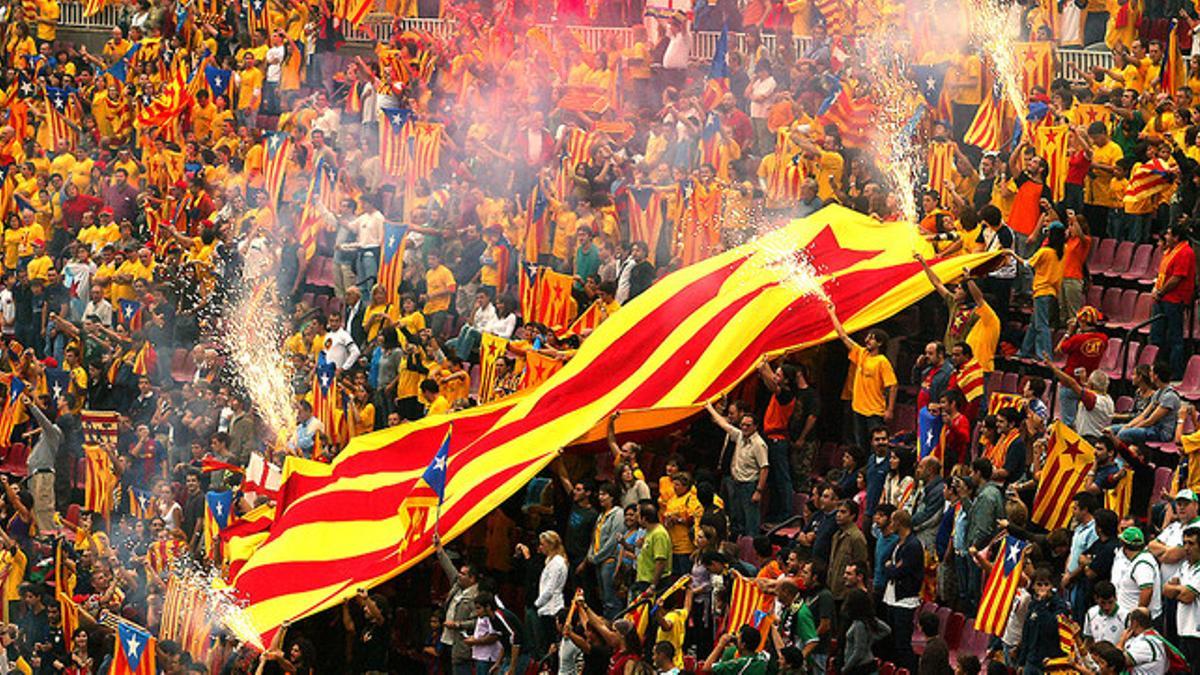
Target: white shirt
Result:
[[1016, 618], [1100, 626], [491, 652], [550, 586], [1070, 26], [484, 318], [1148, 654], [370, 229], [102, 310], [8, 311], [275, 63], [341, 349], [761, 90], [1187, 620], [327, 122], [1172, 537], [1093, 422], [676, 55], [1130, 575], [623, 275]]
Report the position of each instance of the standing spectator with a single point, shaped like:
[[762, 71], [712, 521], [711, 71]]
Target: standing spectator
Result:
[[1083, 345], [1135, 573], [1174, 292], [905, 572], [874, 396], [1182, 588], [849, 545], [748, 469]]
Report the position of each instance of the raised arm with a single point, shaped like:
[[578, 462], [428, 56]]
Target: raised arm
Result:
[[933, 277], [719, 419], [837, 326]]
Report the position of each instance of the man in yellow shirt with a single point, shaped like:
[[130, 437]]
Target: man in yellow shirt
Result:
[[249, 92], [873, 398], [1099, 198], [41, 263], [47, 21], [432, 399], [204, 112], [439, 290]]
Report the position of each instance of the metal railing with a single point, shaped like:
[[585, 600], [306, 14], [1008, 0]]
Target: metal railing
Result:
[[380, 26]]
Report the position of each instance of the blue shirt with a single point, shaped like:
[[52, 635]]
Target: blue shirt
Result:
[[877, 471], [1081, 540], [884, 543]]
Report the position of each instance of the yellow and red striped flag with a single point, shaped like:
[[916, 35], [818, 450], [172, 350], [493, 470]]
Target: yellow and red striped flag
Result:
[[745, 606], [1001, 587], [941, 168], [538, 369], [98, 489], [391, 260], [985, 130], [321, 200], [1148, 180], [999, 400], [576, 149], [1051, 144], [491, 349], [554, 301], [427, 149], [969, 380], [686, 340], [1087, 113], [1173, 75], [58, 118], [395, 131], [13, 408], [1118, 498], [276, 148], [1035, 65], [586, 322], [1064, 474]]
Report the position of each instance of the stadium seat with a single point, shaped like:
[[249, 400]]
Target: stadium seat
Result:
[[901, 671], [1124, 369], [887, 668], [1012, 383], [1122, 259], [1151, 272], [1124, 319], [943, 615], [995, 380], [1141, 311], [1189, 388], [1110, 305], [1124, 404], [16, 461], [1111, 360], [746, 549], [1162, 481], [1095, 294], [1147, 357], [1101, 259], [182, 365], [1140, 263], [953, 630]]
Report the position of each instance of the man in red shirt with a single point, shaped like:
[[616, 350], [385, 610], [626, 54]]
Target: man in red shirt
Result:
[[1084, 347], [1174, 290], [956, 430]]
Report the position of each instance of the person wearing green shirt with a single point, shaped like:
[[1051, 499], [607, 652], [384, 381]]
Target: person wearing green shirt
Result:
[[655, 557], [747, 660]]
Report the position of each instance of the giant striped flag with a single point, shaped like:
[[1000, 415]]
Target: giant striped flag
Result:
[[1001, 587], [277, 145], [686, 340], [1064, 474], [984, 132], [391, 260], [394, 134], [1051, 143], [11, 415], [941, 168]]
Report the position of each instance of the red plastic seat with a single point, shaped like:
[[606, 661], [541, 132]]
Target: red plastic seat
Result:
[[1190, 387], [1162, 481], [1012, 383], [1122, 259], [1147, 357], [1102, 256], [995, 380], [901, 671], [887, 668], [954, 630], [1141, 311], [1110, 305], [1141, 262], [1124, 404], [1151, 272], [1124, 319], [16, 460], [1111, 360], [1095, 295]]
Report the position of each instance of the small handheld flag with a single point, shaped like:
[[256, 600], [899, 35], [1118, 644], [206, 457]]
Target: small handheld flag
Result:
[[435, 473], [134, 653]]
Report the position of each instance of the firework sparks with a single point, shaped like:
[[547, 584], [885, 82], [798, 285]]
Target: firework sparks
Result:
[[897, 101], [253, 338], [222, 610], [996, 27]]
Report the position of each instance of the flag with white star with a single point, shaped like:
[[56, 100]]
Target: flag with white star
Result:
[[134, 653], [435, 473], [391, 260], [324, 396], [1001, 588], [131, 314], [394, 140], [218, 79], [217, 513]]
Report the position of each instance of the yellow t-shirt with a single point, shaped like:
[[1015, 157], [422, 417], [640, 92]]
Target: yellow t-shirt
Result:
[[872, 375], [249, 80], [1047, 272], [438, 280], [678, 619], [48, 11], [681, 534], [1099, 188], [437, 406], [984, 336], [13, 563], [389, 310], [38, 267]]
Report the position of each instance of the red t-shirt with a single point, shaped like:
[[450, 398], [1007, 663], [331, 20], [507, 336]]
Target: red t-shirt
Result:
[[1084, 350], [956, 440], [1077, 168], [1075, 253], [1180, 263]]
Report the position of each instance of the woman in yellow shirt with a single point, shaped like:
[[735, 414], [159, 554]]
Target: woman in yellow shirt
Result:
[[1047, 264], [380, 313]]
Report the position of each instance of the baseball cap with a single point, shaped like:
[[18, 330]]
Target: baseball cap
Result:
[[1132, 537], [1187, 494]]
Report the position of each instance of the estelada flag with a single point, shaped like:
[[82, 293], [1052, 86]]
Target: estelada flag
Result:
[[391, 260], [538, 369], [131, 314], [745, 607], [646, 217], [1086, 114], [528, 277], [686, 340], [134, 651], [941, 168], [1001, 587], [986, 129], [999, 400], [491, 349], [98, 488], [853, 117], [12, 409], [276, 148], [141, 504], [1069, 459], [716, 85], [217, 509], [394, 134], [1118, 498], [554, 301], [1035, 65], [1173, 75], [1051, 144]]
